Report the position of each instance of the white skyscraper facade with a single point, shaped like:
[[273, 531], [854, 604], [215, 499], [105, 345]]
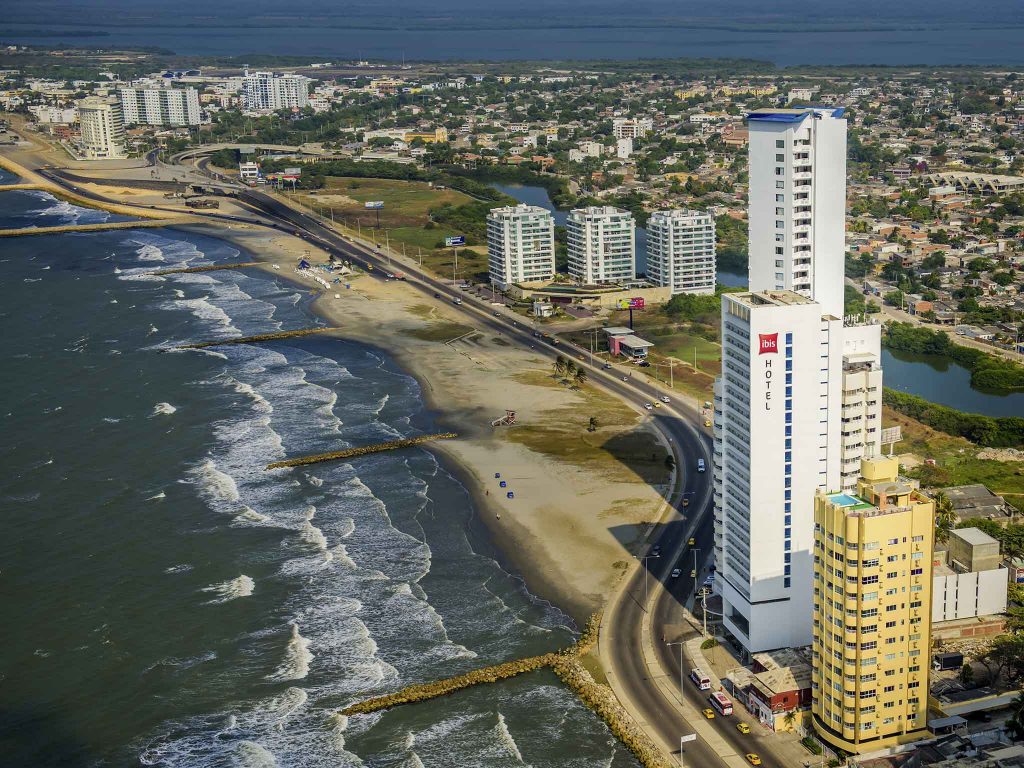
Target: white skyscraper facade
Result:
[[269, 91], [601, 245], [681, 251], [520, 245], [798, 203], [175, 107], [102, 127], [781, 378], [798, 404]]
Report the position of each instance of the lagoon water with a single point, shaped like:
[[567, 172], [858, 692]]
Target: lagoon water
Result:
[[168, 602], [943, 381]]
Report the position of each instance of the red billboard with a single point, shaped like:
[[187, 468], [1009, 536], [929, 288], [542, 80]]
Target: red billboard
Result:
[[769, 343]]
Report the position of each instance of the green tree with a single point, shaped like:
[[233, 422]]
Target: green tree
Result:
[[559, 366], [1015, 725], [945, 517]]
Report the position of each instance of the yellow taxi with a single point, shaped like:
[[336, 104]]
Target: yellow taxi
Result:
[[686, 502], [753, 759], [692, 541], [709, 713], [742, 727]]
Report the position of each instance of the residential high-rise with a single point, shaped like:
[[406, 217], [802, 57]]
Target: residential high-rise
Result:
[[174, 107], [798, 203], [520, 244], [268, 91], [631, 127], [102, 126], [681, 251], [601, 245], [781, 378], [872, 603]]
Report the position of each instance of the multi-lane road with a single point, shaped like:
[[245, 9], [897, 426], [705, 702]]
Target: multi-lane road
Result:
[[650, 600]]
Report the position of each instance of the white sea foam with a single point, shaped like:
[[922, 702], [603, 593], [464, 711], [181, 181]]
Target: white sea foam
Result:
[[182, 568], [311, 534], [157, 497], [214, 485], [152, 329], [150, 252], [249, 754], [249, 515], [505, 737], [243, 586], [297, 658], [111, 420], [163, 409]]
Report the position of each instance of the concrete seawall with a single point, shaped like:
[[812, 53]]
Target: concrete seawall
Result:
[[98, 227]]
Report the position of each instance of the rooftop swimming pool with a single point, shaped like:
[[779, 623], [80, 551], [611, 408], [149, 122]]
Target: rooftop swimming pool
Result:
[[844, 500]]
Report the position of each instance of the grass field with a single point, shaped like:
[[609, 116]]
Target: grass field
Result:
[[405, 218]]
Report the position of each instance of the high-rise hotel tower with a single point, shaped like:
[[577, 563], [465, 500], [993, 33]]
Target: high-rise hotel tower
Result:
[[798, 404]]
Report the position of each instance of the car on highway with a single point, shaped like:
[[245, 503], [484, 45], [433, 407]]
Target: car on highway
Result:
[[648, 406], [657, 404], [707, 422], [607, 366], [676, 573], [456, 300], [742, 727], [700, 465], [437, 295], [686, 502], [753, 759], [664, 399], [692, 541], [656, 550], [709, 713]]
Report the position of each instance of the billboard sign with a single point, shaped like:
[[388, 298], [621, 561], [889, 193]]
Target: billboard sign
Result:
[[769, 343], [374, 204], [637, 302], [454, 240]]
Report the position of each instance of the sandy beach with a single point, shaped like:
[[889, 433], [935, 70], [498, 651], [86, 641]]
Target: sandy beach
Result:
[[583, 500]]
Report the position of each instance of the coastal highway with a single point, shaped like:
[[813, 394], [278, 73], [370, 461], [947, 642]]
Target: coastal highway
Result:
[[687, 442]]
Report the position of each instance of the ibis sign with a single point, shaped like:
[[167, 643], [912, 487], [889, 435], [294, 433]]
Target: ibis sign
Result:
[[374, 204], [454, 240]]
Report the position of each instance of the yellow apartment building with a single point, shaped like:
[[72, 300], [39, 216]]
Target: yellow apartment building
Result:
[[872, 611]]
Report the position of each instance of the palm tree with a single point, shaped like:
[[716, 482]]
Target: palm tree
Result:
[[559, 365], [1015, 724], [945, 517], [789, 719], [570, 368], [581, 377]]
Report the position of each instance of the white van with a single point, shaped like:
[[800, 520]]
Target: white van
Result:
[[700, 465]]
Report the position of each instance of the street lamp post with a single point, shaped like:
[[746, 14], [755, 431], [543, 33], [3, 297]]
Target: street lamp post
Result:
[[647, 578], [680, 644]]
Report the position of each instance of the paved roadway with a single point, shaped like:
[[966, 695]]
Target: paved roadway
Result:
[[675, 422]]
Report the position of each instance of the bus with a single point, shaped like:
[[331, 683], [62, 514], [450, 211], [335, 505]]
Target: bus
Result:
[[701, 680], [721, 702]]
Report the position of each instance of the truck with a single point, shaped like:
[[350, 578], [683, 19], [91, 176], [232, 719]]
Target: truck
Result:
[[202, 203], [945, 661]]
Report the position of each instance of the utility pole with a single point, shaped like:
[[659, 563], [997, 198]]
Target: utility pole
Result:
[[647, 578], [671, 373]]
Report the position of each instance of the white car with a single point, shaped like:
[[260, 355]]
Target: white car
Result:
[[648, 406], [700, 465], [676, 573], [664, 399]]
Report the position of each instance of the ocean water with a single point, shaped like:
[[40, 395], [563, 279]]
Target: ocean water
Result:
[[168, 601]]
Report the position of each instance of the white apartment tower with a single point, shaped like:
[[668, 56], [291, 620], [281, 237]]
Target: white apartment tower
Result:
[[269, 91], [775, 446], [175, 107], [601, 245], [102, 126], [520, 245], [681, 251], [797, 198], [781, 436]]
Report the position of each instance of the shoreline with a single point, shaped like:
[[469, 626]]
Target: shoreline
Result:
[[559, 563]]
